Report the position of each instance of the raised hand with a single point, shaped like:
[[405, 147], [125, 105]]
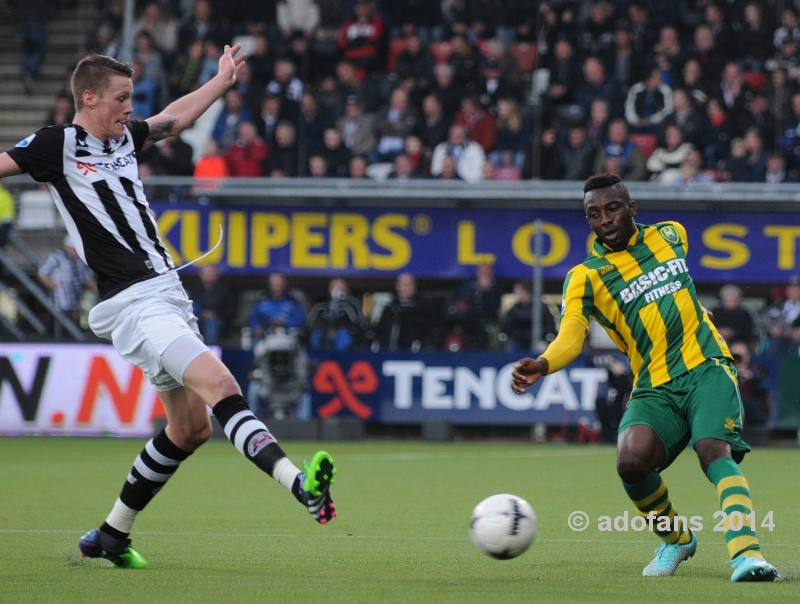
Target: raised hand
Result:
[[230, 63]]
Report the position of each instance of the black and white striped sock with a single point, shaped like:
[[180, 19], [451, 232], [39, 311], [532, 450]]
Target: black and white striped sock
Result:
[[152, 468], [253, 440]]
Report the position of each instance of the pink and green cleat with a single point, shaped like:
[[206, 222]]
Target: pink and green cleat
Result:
[[90, 547], [316, 481]]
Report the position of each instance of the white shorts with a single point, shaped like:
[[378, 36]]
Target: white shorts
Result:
[[143, 320]]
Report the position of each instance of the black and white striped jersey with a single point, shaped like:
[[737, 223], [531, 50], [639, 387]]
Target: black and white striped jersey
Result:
[[97, 190]]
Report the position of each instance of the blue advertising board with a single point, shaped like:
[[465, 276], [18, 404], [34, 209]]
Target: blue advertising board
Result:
[[449, 243], [464, 388]]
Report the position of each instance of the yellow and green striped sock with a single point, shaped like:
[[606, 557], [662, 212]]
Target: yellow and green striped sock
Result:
[[734, 499], [651, 495]]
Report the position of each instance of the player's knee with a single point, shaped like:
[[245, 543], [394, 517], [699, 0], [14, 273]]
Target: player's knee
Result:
[[226, 385], [631, 468], [199, 434], [190, 435]]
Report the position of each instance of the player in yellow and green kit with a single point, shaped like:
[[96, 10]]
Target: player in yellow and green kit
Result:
[[636, 284]]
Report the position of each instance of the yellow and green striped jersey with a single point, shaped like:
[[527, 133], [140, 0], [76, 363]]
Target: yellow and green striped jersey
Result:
[[645, 299]]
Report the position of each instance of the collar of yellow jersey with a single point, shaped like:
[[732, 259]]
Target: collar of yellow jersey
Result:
[[599, 249]]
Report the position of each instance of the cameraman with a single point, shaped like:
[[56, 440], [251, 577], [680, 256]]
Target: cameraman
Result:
[[337, 324]]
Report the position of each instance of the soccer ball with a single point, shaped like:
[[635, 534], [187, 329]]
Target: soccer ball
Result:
[[503, 526]]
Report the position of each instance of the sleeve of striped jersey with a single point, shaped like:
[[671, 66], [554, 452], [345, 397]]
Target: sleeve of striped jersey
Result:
[[41, 155], [567, 345], [682, 232], [139, 132], [578, 298]]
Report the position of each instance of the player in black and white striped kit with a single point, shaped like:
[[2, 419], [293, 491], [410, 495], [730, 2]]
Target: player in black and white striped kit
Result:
[[91, 170]]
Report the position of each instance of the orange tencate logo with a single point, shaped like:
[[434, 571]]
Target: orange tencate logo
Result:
[[86, 167], [331, 379]]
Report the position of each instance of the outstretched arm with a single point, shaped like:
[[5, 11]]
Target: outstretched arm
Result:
[[560, 353], [8, 167], [182, 113]]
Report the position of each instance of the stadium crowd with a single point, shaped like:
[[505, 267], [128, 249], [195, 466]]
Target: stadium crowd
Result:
[[678, 92]]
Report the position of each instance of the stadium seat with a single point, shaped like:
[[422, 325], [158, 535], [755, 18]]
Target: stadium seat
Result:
[[755, 79], [525, 54], [646, 142], [397, 46], [441, 51]]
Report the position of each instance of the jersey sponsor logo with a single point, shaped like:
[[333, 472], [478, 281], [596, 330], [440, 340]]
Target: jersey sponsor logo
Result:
[[670, 234], [26, 141], [86, 167], [645, 282], [119, 163], [607, 269], [258, 442]]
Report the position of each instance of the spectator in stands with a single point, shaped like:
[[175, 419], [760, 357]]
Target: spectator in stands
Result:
[[356, 129], [597, 34], [465, 61], [214, 305], [226, 128], [649, 102], [507, 170], [159, 24], [415, 61], [514, 133], [494, 86], [408, 322], [597, 125], [758, 116], [683, 116], [449, 170], [449, 92], [598, 85], [706, 51], [669, 50], [779, 90], [403, 168], [516, 331], [416, 154], [733, 167], [151, 59], [578, 154], [297, 16], [717, 133], [776, 170], [619, 146], [66, 276], [212, 164], [565, 74], [736, 94], [643, 30], [733, 322], [104, 43], [277, 308], [550, 165], [692, 172], [665, 162], [247, 156], [317, 166], [623, 61], [268, 118], [144, 93], [30, 17], [786, 56], [185, 74], [62, 113], [363, 36], [350, 84], [338, 323], [721, 30], [392, 124], [756, 155], [283, 157], [754, 386], [201, 26], [488, 170], [432, 128], [694, 81], [251, 94], [790, 27], [213, 51], [779, 316], [336, 154], [312, 124], [478, 124], [170, 157], [358, 167], [467, 155], [473, 310], [285, 84], [110, 20], [302, 57], [754, 38]]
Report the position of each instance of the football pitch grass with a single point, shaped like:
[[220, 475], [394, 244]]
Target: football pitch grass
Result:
[[223, 532]]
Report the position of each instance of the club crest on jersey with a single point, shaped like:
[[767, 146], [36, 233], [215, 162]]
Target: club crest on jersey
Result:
[[25, 142], [258, 442], [670, 233]]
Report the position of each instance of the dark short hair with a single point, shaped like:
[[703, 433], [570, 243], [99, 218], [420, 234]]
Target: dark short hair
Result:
[[601, 181], [94, 72]]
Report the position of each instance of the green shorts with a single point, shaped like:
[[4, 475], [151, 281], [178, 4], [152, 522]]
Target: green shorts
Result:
[[701, 403]]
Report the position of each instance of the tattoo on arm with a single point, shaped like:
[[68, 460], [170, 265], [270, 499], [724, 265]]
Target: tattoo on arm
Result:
[[160, 131]]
